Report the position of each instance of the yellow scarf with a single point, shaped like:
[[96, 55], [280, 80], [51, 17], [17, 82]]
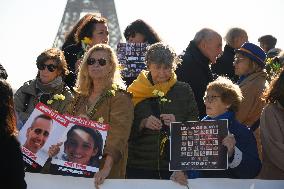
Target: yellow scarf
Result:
[[141, 88]]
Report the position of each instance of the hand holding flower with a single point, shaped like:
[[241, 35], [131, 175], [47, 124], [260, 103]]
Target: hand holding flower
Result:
[[153, 123]]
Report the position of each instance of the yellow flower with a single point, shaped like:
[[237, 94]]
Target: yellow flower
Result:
[[101, 120], [164, 100], [155, 92], [61, 97], [49, 101], [112, 92], [87, 40], [161, 94], [114, 86], [58, 97]]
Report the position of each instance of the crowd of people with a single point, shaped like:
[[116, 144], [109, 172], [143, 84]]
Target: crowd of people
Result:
[[205, 83]]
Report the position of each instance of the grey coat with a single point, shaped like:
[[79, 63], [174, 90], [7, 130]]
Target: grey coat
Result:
[[27, 96]]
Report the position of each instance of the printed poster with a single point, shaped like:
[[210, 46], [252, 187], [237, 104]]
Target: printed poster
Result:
[[81, 148], [42, 129], [131, 57], [197, 145]]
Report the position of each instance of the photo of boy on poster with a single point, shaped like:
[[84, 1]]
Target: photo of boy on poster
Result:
[[81, 149], [40, 132]]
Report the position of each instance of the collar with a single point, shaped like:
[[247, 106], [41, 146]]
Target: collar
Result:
[[227, 115], [142, 88]]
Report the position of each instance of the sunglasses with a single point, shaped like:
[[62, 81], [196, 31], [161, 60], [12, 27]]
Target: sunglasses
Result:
[[50, 67], [100, 61], [39, 131]]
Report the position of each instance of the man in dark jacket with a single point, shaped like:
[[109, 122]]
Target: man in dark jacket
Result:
[[203, 49], [234, 38], [3, 73]]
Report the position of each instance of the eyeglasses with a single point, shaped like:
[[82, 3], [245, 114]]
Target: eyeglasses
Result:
[[50, 67], [210, 98], [238, 60], [100, 61], [39, 131]]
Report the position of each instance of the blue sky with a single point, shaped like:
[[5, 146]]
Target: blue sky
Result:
[[28, 27]]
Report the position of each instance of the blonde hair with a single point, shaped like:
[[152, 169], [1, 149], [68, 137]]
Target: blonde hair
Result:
[[84, 83], [230, 93]]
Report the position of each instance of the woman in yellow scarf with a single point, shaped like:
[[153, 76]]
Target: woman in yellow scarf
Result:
[[159, 99]]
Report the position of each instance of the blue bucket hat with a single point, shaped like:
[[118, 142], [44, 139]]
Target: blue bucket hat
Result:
[[253, 52]]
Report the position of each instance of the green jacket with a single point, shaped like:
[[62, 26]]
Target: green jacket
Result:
[[144, 152]]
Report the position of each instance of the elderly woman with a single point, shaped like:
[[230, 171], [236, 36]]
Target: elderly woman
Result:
[[222, 99], [272, 131], [249, 66], [100, 97], [92, 30], [48, 86], [159, 99]]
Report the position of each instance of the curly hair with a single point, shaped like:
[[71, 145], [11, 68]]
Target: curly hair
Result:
[[162, 53], [139, 26], [88, 26], [230, 93], [7, 111], [84, 83], [275, 92], [56, 55]]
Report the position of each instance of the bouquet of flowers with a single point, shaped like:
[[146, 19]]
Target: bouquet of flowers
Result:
[[273, 67]]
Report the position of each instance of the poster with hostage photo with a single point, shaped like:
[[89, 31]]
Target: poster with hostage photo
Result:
[[81, 149], [40, 132]]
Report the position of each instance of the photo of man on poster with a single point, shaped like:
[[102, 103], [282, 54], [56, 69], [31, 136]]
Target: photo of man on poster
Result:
[[38, 133]]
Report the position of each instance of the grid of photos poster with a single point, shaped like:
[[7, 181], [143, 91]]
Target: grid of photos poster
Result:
[[199, 145], [131, 57]]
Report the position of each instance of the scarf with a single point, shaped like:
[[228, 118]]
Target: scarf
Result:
[[53, 86], [141, 88]]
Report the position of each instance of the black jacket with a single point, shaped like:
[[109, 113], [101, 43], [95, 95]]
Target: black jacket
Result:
[[224, 64], [12, 164], [195, 70], [72, 53]]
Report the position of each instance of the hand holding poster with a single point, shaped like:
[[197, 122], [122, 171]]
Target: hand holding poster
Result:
[[198, 145], [40, 132], [82, 148]]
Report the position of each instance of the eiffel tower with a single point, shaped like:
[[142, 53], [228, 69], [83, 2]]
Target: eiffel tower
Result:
[[75, 9]]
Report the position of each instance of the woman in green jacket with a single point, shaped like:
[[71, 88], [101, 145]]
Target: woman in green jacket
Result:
[[159, 99]]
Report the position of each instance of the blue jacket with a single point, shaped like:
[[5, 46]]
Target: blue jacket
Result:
[[250, 164]]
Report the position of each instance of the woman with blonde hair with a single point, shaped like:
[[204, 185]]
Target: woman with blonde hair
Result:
[[101, 97]]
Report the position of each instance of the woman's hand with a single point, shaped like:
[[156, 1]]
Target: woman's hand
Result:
[[168, 118], [54, 149], [153, 123], [230, 142], [101, 176], [179, 177], [104, 172]]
